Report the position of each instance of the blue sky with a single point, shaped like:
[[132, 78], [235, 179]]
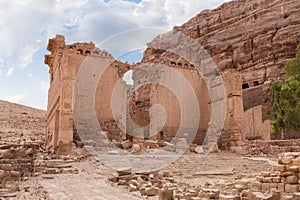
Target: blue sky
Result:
[[26, 26]]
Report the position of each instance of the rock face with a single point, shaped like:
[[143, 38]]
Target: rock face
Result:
[[252, 38], [255, 38]]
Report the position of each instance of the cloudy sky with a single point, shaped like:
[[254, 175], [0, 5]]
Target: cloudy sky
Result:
[[26, 26]]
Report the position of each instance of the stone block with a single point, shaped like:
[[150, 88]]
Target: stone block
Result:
[[199, 149], [133, 182], [259, 179], [265, 186], [229, 197], [132, 188], [124, 171], [265, 173], [153, 191], [126, 144], [169, 147], [267, 180], [274, 174], [276, 179], [256, 186], [286, 174], [292, 179], [136, 148], [125, 177], [296, 161], [296, 196], [286, 160], [273, 185], [280, 168], [165, 194], [294, 169], [289, 188], [281, 187]]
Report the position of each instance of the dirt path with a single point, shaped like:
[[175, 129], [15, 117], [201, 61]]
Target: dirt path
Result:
[[90, 184], [92, 180]]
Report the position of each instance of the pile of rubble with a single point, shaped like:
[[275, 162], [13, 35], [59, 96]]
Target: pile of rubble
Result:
[[179, 146], [16, 164], [280, 182], [148, 184], [284, 177], [163, 185]]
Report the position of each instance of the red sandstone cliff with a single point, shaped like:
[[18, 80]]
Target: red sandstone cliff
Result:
[[253, 37]]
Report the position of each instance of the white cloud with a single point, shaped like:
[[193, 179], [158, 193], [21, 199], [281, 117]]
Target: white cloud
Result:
[[10, 71], [27, 25], [16, 99], [29, 75]]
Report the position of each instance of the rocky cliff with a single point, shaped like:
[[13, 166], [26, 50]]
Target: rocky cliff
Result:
[[253, 37]]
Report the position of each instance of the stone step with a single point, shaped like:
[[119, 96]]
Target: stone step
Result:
[[59, 166], [8, 194], [53, 162]]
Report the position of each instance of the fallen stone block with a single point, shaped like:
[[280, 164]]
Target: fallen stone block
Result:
[[153, 191], [136, 148], [165, 194], [169, 147], [133, 182], [132, 188], [199, 149], [126, 144], [124, 171]]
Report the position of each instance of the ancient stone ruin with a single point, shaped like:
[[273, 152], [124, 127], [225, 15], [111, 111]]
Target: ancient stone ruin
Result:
[[248, 41]]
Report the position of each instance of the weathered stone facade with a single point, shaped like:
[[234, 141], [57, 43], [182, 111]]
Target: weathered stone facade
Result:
[[249, 41], [64, 63]]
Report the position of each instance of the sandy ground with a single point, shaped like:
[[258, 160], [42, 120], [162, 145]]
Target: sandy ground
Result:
[[92, 180]]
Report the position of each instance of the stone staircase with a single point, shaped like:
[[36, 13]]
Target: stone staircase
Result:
[[47, 165]]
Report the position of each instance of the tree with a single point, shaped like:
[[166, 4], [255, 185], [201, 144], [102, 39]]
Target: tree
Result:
[[286, 98]]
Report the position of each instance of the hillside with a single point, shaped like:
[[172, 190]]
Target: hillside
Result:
[[21, 124]]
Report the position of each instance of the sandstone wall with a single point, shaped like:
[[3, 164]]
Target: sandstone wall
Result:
[[64, 63], [149, 95], [254, 127]]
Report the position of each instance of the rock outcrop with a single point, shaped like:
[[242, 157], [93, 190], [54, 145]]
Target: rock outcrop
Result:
[[251, 38], [255, 38]]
